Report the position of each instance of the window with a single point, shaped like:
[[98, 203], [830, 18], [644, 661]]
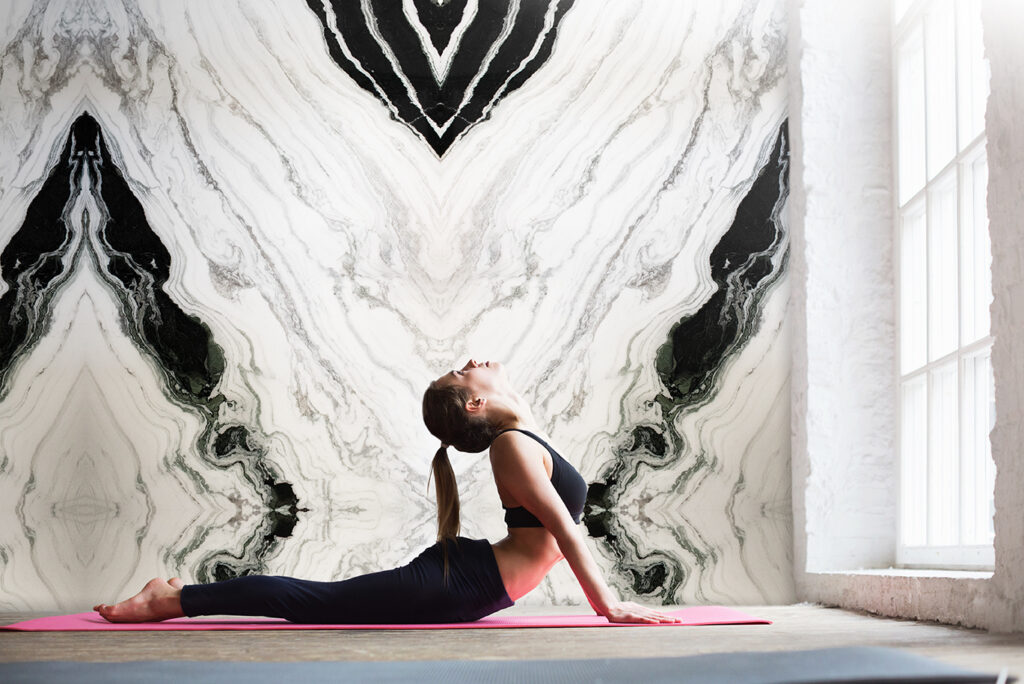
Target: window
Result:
[[947, 406]]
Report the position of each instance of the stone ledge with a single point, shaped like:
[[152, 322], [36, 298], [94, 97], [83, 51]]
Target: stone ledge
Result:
[[955, 597], [909, 572]]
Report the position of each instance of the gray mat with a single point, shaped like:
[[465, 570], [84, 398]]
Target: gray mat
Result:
[[790, 667]]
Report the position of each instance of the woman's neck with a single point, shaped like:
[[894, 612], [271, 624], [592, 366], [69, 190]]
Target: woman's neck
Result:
[[516, 415]]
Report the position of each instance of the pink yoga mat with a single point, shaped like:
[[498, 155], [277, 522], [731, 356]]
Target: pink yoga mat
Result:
[[92, 622]]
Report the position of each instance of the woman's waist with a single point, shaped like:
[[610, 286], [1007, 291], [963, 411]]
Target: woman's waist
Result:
[[534, 541], [524, 558]]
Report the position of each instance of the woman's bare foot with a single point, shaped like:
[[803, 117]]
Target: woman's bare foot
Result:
[[158, 600]]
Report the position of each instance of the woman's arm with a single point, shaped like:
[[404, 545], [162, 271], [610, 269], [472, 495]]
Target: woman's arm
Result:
[[520, 470]]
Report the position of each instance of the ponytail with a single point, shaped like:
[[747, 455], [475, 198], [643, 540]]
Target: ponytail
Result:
[[447, 501], [444, 414]]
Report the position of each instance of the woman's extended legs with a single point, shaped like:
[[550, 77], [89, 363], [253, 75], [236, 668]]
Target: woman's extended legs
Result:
[[158, 600], [417, 592], [401, 595]]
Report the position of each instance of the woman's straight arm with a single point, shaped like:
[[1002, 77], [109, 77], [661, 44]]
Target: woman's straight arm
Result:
[[588, 574], [524, 478]]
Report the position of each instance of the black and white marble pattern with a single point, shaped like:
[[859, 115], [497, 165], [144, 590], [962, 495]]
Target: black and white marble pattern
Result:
[[440, 67], [745, 264], [236, 242]]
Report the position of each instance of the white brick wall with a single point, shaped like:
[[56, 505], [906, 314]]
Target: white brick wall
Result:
[[841, 217], [1003, 20], [844, 378]]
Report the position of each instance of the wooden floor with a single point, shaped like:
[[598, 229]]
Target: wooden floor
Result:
[[795, 627]]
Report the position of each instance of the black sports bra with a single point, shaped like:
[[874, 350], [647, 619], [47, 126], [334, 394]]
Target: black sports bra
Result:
[[569, 484]]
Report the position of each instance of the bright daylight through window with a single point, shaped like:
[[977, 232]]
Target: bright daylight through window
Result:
[[947, 404]]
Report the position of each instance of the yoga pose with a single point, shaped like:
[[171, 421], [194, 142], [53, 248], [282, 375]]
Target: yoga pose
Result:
[[457, 579]]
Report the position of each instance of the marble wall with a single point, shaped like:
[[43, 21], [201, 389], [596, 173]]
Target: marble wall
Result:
[[239, 238]]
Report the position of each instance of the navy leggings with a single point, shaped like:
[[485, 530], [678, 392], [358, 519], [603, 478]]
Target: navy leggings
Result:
[[414, 593]]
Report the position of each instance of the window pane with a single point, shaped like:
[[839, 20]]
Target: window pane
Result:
[[910, 100], [940, 87], [900, 8], [975, 251], [913, 289], [977, 469], [972, 68], [947, 399], [943, 457], [942, 267], [914, 461]]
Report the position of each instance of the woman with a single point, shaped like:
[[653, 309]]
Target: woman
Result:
[[457, 579]]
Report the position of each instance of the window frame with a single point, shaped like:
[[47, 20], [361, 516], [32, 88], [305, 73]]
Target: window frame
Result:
[[960, 556]]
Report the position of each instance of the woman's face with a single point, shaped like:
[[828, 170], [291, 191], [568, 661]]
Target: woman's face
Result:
[[482, 379]]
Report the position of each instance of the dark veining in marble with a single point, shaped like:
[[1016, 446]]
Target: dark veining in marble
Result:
[[440, 19], [439, 106], [741, 261], [744, 265], [34, 264], [140, 266], [131, 259]]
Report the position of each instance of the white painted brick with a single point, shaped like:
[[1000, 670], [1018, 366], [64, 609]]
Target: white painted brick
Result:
[[844, 408]]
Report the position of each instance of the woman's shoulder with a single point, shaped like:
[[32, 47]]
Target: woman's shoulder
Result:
[[531, 434], [512, 446], [511, 438]]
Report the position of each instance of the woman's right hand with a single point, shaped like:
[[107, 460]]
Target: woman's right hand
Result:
[[627, 611]]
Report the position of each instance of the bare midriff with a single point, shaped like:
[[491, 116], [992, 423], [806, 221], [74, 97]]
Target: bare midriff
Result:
[[524, 558]]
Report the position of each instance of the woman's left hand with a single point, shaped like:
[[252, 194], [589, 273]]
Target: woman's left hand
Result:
[[627, 611]]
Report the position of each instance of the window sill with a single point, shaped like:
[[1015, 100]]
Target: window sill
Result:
[[910, 572], [962, 597]]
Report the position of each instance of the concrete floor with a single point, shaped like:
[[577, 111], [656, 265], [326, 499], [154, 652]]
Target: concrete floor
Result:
[[796, 627]]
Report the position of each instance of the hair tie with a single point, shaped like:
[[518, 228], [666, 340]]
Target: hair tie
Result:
[[444, 446]]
